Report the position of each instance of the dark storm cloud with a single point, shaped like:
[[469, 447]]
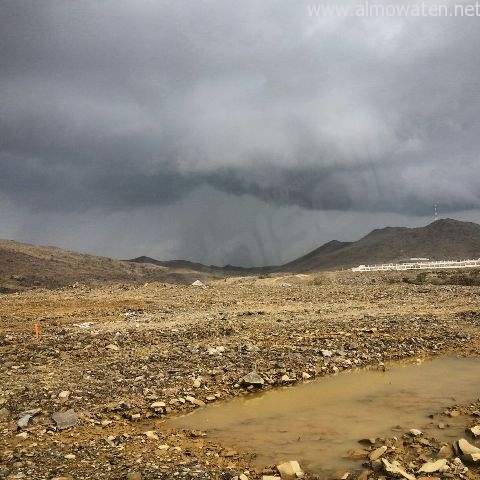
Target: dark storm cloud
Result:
[[123, 104]]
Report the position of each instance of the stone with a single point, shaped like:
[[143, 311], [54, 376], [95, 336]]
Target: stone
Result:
[[252, 378], [197, 383], [195, 401], [446, 452], [285, 378], [70, 456], [377, 453], [113, 347], [270, 477], [23, 421], [198, 283], [326, 353], [306, 376], [341, 475], [467, 448], [367, 441], [4, 412], [432, 467], [454, 413], [415, 432], [22, 435], [394, 468], [290, 470], [357, 454], [65, 419], [151, 435], [64, 395], [158, 405], [475, 431], [134, 476], [242, 476]]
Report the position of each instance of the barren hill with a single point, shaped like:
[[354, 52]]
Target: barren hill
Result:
[[25, 266], [441, 240]]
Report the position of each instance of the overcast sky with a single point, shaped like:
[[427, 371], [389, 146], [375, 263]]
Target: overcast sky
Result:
[[239, 132]]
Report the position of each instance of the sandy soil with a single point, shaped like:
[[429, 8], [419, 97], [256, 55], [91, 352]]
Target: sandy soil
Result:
[[187, 346]]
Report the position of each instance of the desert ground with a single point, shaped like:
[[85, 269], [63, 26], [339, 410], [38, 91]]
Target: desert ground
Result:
[[120, 358]]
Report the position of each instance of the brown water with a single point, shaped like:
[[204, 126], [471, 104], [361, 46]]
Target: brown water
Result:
[[318, 422]]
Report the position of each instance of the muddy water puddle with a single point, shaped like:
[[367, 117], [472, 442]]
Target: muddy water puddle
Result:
[[318, 422]]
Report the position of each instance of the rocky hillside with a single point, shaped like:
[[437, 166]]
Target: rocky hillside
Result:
[[441, 240], [24, 266]]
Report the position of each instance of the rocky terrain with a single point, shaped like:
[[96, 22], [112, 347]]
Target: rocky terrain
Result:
[[444, 239], [89, 395], [24, 266]]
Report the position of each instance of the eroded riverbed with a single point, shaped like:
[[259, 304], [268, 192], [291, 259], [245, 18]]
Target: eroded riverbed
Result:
[[317, 423]]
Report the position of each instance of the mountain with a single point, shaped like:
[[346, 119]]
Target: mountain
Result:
[[444, 239], [25, 266], [192, 266]]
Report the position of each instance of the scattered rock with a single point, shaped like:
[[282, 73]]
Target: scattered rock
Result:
[[394, 468], [467, 448], [134, 476], [158, 405], [197, 383], [475, 431], [23, 421], [151, 435], [252, 378], [65, 419], [64, 395], [113, 347], [432, 467], [4, 412], [357, 454], [415, 432], [446, 452], [341, 475], [290, 470], [195, 401], [377, 453]]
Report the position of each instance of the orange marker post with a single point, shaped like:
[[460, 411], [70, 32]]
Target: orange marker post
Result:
[[37, 331]]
